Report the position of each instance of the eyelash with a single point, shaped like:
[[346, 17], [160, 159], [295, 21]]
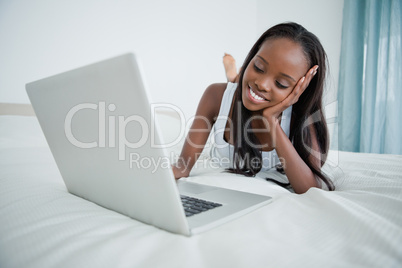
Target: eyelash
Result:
[[279, 85], [257, 69]]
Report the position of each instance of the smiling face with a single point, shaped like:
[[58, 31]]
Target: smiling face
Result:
[[273, 73]]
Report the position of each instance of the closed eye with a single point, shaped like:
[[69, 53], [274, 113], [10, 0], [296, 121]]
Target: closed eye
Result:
[[280, 85], [258, 69]]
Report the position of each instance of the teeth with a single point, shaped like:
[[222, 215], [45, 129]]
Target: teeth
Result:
[[255, 96]]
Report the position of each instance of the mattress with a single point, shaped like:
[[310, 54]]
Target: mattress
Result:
[[42, 225]]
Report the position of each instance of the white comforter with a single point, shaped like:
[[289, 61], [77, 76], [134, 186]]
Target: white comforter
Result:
[[42, 225]]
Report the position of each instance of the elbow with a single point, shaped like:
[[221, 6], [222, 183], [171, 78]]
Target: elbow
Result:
[[303, 190], [304, 187]]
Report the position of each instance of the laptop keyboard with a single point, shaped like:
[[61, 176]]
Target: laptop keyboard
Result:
[[194, 206]]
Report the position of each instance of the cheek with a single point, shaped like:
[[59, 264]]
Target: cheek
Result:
[[282, 94], [248, 73]]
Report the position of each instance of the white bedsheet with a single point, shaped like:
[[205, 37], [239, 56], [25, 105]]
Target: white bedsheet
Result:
[[42, 225]]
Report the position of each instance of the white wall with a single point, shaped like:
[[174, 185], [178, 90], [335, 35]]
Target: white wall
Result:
[[181, 43]]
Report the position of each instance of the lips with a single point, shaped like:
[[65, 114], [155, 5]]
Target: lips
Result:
[[255, 96]]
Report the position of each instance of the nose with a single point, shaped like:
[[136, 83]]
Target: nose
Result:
[[263, 84]]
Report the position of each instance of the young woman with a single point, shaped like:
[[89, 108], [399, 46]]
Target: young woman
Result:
[[272, 116]]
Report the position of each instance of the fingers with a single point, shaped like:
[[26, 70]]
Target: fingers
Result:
[[297, 91], [309, 76], [311, 73], [303, 83]]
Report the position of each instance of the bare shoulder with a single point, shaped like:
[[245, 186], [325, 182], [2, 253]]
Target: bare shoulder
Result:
[[211, 100], [215, 90]]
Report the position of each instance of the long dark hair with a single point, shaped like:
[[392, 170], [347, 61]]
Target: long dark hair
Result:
[[307, 111]]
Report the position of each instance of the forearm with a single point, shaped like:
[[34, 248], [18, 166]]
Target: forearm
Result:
[[207, 111], [192, 149], [298, 172], [186, 161]]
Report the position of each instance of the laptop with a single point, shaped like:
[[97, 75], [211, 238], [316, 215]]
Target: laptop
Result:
[[100, 128]]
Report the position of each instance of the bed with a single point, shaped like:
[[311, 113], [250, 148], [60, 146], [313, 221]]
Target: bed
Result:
[[42, 225]]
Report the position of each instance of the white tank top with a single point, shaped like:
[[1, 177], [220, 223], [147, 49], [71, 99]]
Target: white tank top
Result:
[[223, 151]]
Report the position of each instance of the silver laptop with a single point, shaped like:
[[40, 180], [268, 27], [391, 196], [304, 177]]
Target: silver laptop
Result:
[[100, 128]]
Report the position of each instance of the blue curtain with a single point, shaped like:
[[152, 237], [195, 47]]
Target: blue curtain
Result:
[[370, 77]]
